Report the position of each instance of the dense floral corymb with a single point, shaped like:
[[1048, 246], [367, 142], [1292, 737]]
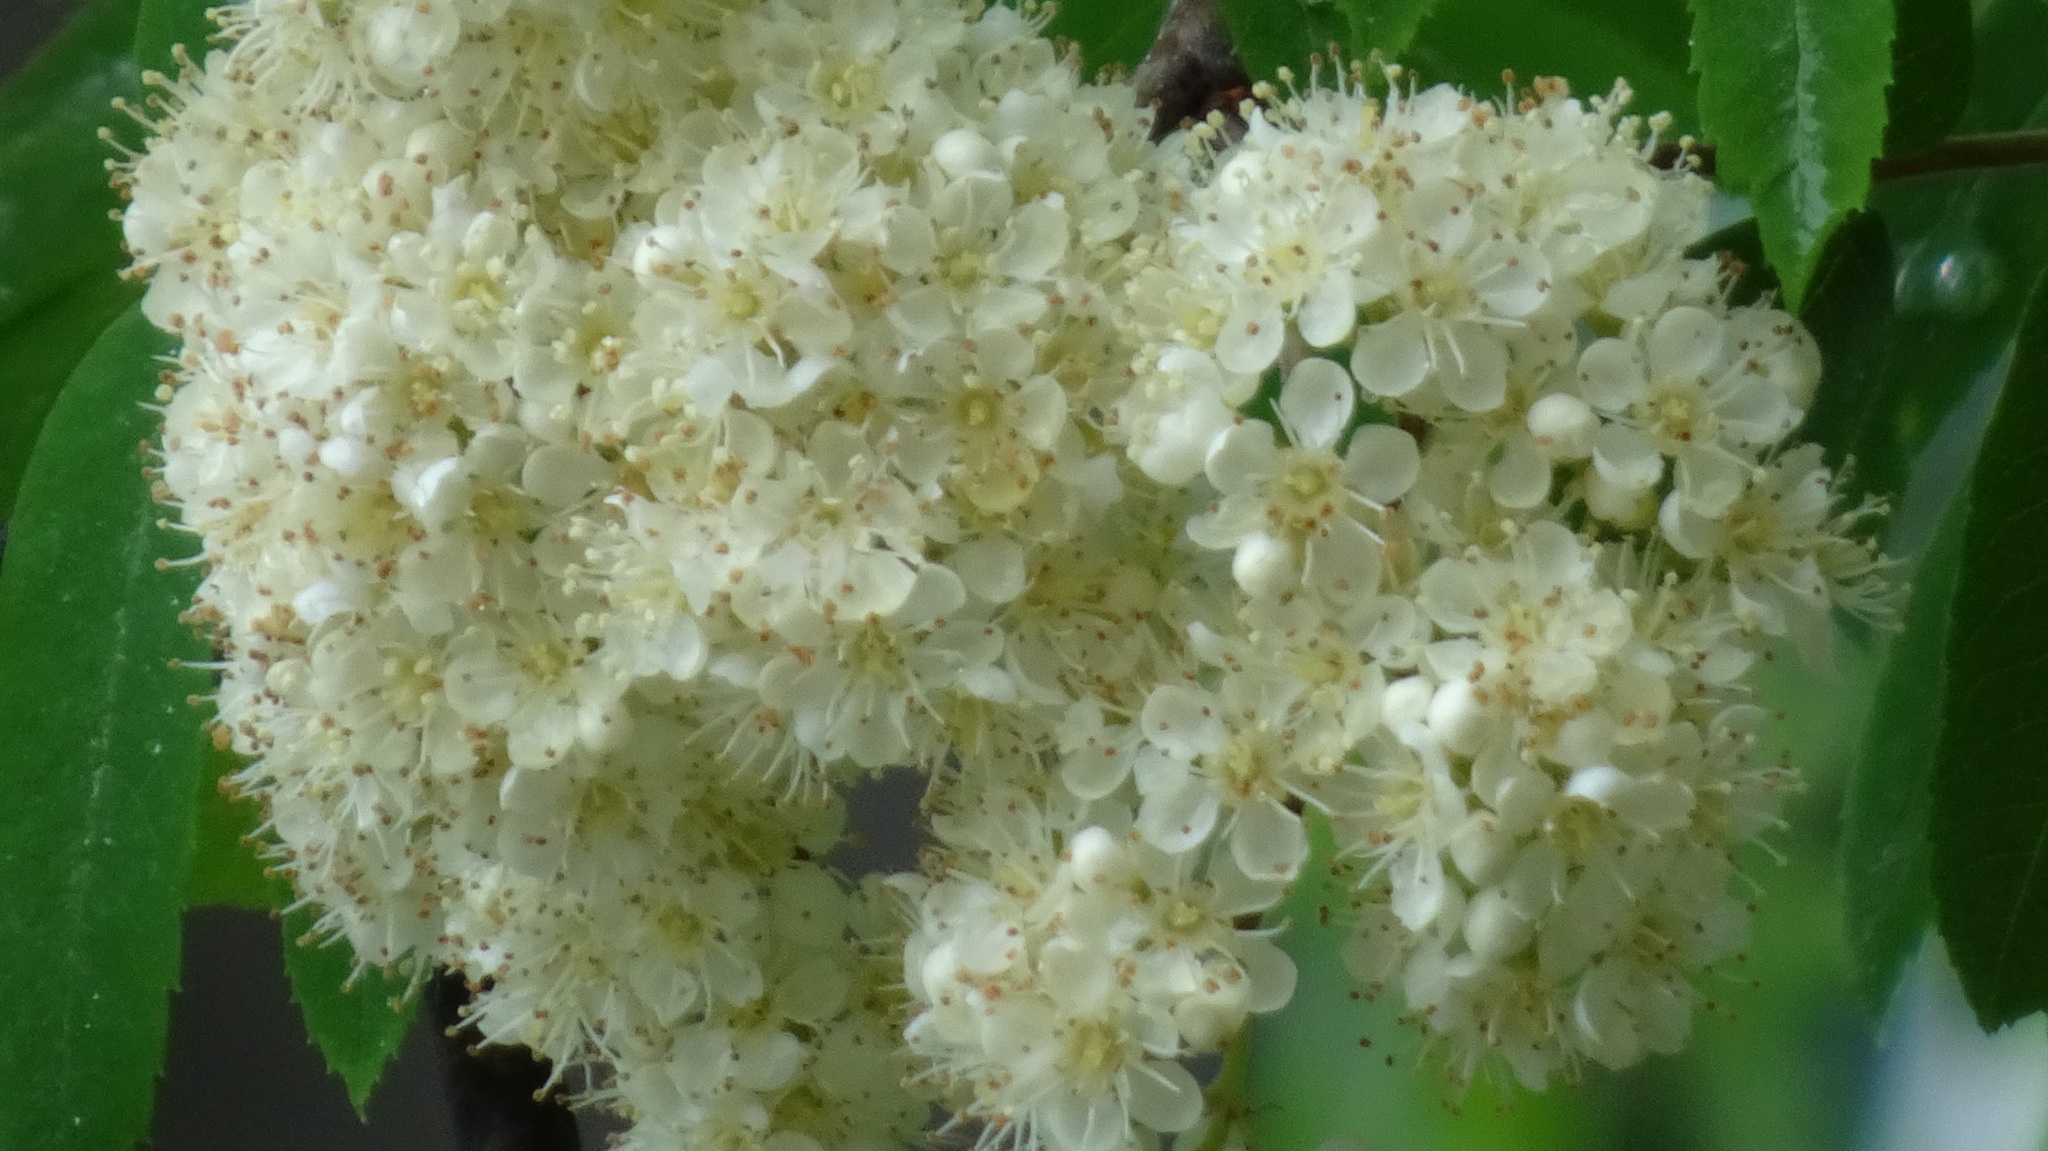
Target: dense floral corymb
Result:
[[616, 430]]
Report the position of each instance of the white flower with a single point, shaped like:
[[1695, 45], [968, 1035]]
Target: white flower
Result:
[[1458, 284], [1536, 637], [613, 431], [1706, 391], [1297, 513]]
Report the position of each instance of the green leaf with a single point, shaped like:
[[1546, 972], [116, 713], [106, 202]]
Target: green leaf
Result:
[[1990, 811], [101, 31], [1886, 900], [162, 23], [1386, 26], [1109, 31], [38, 351], [356, 1019], [1966, 250], [1792, 94], [225, 870], [1269, 40], [1931, 58], [99, 766], [1588, 42], [2005, 88], [1335, 1063], [55, 200], [1849, 312]]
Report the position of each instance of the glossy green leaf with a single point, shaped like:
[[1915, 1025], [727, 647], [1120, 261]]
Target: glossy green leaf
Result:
[[1109, 32], [1386, 26], [1275, 34], [1849, 312], [1335, 1064], [1990, 810], [99, 766], [225, 870], [1792, 95], [102, 30], [1588, 42], [2006, 85], [1931, 59], [1886, 900], [1966, 249], [162, 23], [356, 1019], [38, 351], [54, 196]]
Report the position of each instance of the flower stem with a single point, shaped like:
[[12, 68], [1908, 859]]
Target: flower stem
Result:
[[1226, 1095]]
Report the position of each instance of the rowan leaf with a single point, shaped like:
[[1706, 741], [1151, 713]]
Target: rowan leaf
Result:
[[357, 1018], [100, 765], [1886, 899], [55, 198], [1792, 95], [1990, 801], [1590, 43]]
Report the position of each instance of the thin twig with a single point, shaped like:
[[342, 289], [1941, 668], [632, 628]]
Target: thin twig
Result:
[[1966, 153], [1974, 153]]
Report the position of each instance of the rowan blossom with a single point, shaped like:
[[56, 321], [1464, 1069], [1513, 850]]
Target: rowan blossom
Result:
[[617, 432]]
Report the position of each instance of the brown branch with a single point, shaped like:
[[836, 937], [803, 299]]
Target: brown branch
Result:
[[1975, 153], [1966, 153], [1192, 68]]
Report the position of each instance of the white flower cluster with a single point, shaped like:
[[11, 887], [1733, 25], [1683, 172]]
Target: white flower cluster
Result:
[[617, 428]]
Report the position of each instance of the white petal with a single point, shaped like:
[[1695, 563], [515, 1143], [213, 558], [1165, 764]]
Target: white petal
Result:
[[965, 152], [1316, 402], [561, 475], [1685, 345], [1344, 564], [1182, 721], [1392, 356], [1610, 375], [1252, 334], [1457, 717], [1165, 1097], [1263, 566], [1272, 971], [1475, 376], [1709, 478], [992, 567], [1268, 840], [1096, 768], [1418, 882], [1179, 818], [1076, 976], [1517, 283], [1381, 463], [935, 594], [1329, 312], [1521, 477], [1241, 456], [1627, 458], [1562, 425], [1494, 930], [1035, 243]]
